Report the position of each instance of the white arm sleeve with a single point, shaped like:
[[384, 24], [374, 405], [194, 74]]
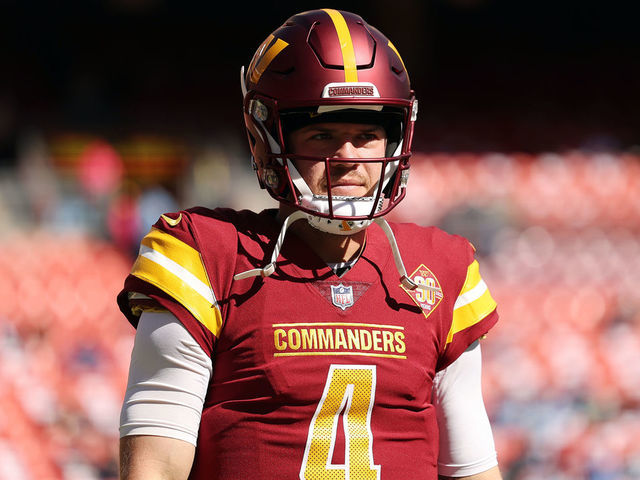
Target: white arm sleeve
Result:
[[168, 380], [466, 440]]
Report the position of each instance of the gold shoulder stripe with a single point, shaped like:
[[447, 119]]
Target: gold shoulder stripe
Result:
[[473, 278], [346, 45], [176, 268], [178, 251], [473, 304]]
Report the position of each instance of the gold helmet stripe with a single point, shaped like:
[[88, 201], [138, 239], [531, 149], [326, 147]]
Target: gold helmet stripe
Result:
[[346, 45], [266, 58], [393, 47]]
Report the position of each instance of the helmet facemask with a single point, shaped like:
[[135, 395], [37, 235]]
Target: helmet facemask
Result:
[[336, 214]]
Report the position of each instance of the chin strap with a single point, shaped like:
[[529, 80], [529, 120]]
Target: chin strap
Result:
[[404, 279], [269, 268]]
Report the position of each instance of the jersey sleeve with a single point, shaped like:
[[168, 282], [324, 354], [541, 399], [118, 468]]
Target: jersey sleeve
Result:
[[170, 274], [474, 313]]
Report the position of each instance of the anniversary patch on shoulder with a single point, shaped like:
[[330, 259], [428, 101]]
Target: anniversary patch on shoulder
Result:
[[427, 298]]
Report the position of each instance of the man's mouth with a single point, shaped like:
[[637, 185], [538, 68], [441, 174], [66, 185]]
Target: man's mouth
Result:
[[348, 188]]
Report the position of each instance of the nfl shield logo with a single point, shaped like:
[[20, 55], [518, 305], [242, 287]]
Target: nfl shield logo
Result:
[[342, 296]]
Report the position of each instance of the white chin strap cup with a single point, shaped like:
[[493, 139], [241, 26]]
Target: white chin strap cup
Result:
[[337, 227]]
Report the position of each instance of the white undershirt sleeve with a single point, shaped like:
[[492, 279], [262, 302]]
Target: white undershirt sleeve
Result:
[[168, 380], [466, 441]]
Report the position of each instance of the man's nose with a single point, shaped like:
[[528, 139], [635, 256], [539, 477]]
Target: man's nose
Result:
[[346, 150]]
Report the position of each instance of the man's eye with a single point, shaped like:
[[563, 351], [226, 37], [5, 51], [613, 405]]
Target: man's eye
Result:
[[320, 136], [369, 137]]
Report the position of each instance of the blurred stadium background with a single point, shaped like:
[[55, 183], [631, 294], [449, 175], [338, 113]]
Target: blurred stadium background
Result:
[[528, 143]]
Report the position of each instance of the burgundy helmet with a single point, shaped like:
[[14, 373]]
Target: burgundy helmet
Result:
[[322, 66]]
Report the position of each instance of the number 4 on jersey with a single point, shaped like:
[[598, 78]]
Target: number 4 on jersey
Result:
[[349, 394]]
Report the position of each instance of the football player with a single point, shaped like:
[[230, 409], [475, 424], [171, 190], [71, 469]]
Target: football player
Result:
[[316, 340]]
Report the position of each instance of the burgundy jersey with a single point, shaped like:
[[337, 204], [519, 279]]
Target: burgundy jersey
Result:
[[314, 376]]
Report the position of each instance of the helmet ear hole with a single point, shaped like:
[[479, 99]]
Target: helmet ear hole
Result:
[[271, 178], [274, 177]]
